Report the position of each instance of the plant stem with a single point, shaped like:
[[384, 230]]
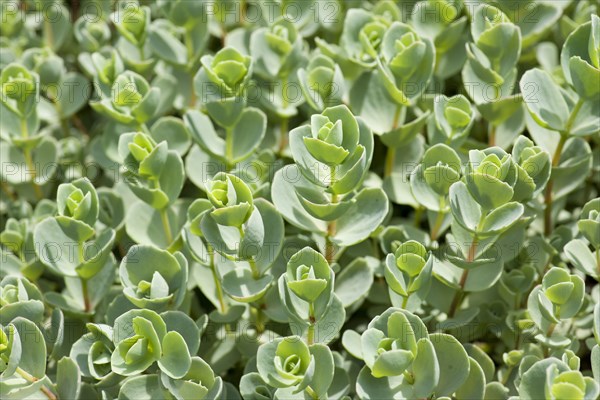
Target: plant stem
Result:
[[389, 161], [164, 217], [549, 333], [254, 268], [189, 44], [243, 7], [492, 135], [331, 226], [564, 136], [7, 190], [311, 393], [218, 288], [418, 215], [86, 296], [87, 304], [549, 187], [28, 377], [391, 152], [435, 229], [284, 126], [258, 315], [29, 161], [310, 335], [459, 296], [75, 120], [507, 375], [228, 147], [48, 34]]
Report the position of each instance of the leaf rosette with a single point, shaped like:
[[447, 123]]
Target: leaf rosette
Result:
[[19, 89], [153, 278], [92, 352], [286, 362], [142, 155], [91, 34], [306, 288], [406, 64], [490, 177], [232, 200], [393, 342], [559, 297], [276, 49], [452, 120], [68, 244], [332, 152], [580, 59], [322, 82], [553, 379], [132, 22], [20, 297], [199, 382], [589, 222], [132, 100], [78, 200], [228, 72], [431, 180], [533, 166], [408, 269], [141, 339]]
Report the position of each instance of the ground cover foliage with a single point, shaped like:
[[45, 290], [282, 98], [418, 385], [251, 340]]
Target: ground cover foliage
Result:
[[300, 199]]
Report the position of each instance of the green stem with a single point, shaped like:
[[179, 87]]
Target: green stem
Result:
[[389, 161], [548, 200], [86, 295], [507, 375], [331, 226], [164, 217], [254, 268], [48, 34], [29, 161], [189, 44], [564, 136], [7, 190], [144, 128], [218, 288], [435, 229], [418, 215], [87, 304], [243, 7], [404, 302], [28, 377], [391, 152], [460, 294], [258, 318], [310, 335], [251, 260], [229, 147], [492, 135], [311, 393], [284, 126], [549, 333]]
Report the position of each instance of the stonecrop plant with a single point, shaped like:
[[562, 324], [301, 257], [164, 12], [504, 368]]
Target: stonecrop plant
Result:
[[300, 199]]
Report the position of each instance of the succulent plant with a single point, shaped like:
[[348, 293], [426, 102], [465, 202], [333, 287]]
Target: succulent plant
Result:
[[299, 199]]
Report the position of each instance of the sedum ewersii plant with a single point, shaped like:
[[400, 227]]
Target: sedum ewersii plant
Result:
[[300, 199]]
